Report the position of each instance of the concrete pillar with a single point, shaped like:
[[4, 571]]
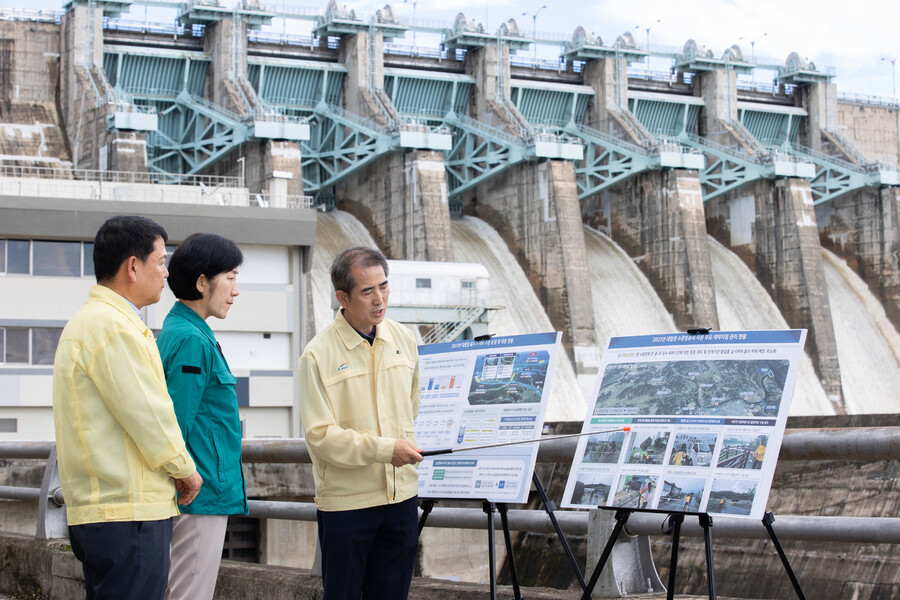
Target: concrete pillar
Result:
[[864, 228], [364, 56], [772, 226], [719, 116], [820, 101], [402, 200], [268, 166], [401, 197], [609, 111], [656, 216], [227, 46], [126, 151], [861, 226], [28, 90], [789, 264], [535, 208], [81, 89], [658, 219]]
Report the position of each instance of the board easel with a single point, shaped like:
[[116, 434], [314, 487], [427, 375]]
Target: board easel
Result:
[[489, 509], [501, 507], [676, 519]]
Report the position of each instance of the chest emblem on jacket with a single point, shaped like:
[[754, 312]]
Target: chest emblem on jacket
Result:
[[343, 366]]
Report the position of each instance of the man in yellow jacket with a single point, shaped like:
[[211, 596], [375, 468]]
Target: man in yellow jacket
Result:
[[359, 395], [120, 451]]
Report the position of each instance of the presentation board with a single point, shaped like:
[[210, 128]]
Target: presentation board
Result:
[[476, 393], [705, 417]]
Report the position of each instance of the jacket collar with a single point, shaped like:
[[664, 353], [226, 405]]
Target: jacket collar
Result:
[[351, 337], [188, 314], [101, 293]]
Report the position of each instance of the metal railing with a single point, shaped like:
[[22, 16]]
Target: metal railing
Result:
[[844, 444], [95, 175], [865, 100], [29, 14], [271, 200]]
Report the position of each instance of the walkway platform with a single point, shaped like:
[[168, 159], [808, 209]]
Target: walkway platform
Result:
[[32, 567]]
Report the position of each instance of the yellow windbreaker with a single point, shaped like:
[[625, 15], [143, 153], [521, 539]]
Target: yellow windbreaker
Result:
[[355, 400], [117, 440]]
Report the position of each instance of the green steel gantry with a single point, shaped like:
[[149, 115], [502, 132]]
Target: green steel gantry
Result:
[[160, 91]]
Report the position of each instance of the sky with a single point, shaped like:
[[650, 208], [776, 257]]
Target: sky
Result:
[[857, 39]]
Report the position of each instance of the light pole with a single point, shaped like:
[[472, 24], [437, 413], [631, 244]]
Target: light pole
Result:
[[647, 29], [414, 2], [753, 45], [534, 27], [893, 73]]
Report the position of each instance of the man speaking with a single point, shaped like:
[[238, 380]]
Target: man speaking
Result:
[[359, 395]]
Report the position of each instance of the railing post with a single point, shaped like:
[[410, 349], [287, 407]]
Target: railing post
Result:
[[630, 570], [51, 521]]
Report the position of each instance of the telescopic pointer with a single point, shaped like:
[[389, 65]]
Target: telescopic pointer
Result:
[[548, 438]]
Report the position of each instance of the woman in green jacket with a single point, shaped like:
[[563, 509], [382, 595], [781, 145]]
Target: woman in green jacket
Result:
[[203, 276]]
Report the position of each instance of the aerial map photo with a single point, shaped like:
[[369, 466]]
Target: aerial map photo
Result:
[[509, 378], [747, 388]]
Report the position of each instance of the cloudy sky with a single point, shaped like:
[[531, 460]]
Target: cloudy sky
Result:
[[852, 37]]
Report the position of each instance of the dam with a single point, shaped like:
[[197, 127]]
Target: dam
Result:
[[603, 199]]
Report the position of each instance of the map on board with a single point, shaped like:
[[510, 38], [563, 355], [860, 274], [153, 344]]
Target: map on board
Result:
[[684, 423], [482, 392], [509, 378], [749, 388]]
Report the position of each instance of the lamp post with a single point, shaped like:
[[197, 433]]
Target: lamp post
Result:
[[414, 2], [893, 73], [534, 27], [753, 45], [647, 29]]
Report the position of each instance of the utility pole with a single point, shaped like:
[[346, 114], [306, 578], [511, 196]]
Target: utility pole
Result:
[[534, 28], [647, 29]]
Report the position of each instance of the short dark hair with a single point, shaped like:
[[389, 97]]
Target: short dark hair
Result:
[[358, 256], [122, 237], [201, 254]]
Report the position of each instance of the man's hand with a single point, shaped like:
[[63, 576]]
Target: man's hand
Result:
[[405, 453], [189, 487]]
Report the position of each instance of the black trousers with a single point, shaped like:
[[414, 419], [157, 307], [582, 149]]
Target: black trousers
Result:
[[369, 553], [123, 560]]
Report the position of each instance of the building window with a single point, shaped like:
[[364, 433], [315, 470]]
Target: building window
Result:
[[17, 257], [87, 259], [56, 259], [48, 258], [15, 348], [44, 341], [467, 284], [423, 283], [9, 425], [29, 346]]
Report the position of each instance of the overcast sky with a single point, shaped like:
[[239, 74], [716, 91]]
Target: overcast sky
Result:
[[852, 37]]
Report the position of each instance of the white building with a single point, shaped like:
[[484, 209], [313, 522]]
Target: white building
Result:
[[46, 271]]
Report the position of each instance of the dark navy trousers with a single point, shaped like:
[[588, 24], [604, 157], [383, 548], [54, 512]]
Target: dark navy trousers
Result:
[[369, 553], [123, 560]]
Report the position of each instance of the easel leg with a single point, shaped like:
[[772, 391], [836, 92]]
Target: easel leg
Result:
[[513, 575], [706, 524], [549, 506], [767, 521], [427, 506], [621, 519], [676, 520], [488, 508]]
